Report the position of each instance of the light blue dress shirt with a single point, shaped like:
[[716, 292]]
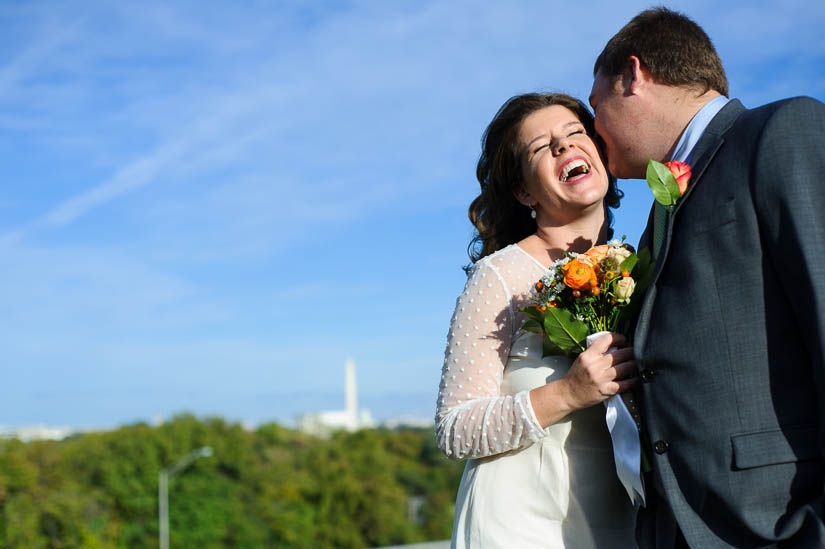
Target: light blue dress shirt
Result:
[[683, 152], [696, 127]]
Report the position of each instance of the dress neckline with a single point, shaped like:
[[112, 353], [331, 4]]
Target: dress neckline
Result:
[[528, 254]]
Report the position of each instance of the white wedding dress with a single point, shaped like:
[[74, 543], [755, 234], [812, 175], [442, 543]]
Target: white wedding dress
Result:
[[523, 486]]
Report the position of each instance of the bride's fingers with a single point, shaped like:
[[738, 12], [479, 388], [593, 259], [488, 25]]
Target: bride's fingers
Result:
[[621, 355], [624, 370], [627, 384]]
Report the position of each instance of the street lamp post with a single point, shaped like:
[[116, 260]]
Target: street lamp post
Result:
[[163, 490]]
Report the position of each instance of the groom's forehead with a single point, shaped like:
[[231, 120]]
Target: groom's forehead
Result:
[[601, 86]]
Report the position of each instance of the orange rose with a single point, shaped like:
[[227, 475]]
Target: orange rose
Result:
[[681, 172], [597, 253], [579, 275]]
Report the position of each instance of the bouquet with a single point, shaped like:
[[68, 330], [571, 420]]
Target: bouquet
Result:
[[582, 294]]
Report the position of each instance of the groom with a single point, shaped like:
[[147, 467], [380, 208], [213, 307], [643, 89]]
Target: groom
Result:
[[730, 342]]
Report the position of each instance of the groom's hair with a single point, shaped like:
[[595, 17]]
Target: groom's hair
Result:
[[674, 49]]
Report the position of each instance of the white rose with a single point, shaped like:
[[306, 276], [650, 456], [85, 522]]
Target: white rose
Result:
[[624, 288]]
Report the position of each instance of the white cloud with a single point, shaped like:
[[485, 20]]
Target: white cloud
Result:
[[172, 174]]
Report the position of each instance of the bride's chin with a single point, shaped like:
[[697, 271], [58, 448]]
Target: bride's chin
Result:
[[591, 200]]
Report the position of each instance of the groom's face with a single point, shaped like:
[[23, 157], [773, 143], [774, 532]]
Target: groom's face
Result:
[[620, 124]]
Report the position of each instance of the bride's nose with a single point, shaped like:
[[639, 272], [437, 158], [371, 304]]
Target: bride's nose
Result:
[[562, 145]]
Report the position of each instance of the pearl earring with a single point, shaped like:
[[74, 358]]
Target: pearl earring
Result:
[[532, 212]]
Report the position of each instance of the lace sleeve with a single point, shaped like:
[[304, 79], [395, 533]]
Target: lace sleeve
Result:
[[473, 419]]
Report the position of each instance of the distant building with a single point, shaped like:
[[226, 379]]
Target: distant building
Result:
[[408, 422], [323, 424], [37, 432]]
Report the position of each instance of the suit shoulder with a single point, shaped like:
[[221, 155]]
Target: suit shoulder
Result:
[[792, 107], [788, 146], [795, 117]]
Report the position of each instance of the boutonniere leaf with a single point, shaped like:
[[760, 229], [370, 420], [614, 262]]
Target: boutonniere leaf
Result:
[[669, 181]]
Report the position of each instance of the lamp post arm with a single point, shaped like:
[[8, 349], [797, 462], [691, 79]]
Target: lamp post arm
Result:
[[187, 460], [164, 476]]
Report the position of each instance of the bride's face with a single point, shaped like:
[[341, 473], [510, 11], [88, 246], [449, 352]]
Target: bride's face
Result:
[[562, 170]]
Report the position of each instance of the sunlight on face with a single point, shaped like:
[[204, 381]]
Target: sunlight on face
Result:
[[562, 169]]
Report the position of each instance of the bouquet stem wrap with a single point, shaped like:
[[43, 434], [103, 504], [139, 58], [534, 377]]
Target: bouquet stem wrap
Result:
[[624, 434]]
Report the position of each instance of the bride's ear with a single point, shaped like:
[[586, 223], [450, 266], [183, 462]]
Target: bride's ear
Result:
[[523, 196]]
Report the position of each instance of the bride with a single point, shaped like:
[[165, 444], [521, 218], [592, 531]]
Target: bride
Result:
[[540, 471]]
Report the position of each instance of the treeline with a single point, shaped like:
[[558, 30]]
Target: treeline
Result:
[[272, 487]]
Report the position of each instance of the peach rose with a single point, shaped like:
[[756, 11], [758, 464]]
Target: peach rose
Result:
[[618, 254], [597, 253], [681, 172], [579, 275]]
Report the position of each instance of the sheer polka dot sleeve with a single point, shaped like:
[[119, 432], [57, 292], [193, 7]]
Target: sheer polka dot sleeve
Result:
[[473, 418]]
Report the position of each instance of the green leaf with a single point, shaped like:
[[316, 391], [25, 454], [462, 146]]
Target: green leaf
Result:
[[532, 312], [629, 263], [669, 180], [643, 275], [662, 183], [548, 348], [532, 326], [564, 330], [644, 257]]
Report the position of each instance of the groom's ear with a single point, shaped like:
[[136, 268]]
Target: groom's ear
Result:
[[635, 76]]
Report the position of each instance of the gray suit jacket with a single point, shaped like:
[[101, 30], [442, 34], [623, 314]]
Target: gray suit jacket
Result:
[[730, 340]]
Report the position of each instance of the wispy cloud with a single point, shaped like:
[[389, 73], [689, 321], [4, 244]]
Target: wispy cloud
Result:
[[254, 193]]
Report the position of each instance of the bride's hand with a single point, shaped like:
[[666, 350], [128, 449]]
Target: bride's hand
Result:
[[598, 374], [595, 376]]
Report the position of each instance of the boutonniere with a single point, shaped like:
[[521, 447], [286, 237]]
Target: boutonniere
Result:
[[668, 181]]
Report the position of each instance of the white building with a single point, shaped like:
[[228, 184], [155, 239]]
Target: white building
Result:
[[322, 424], [37, 432]]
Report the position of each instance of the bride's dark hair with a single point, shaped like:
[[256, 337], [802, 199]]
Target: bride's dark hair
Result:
[[500, 219]]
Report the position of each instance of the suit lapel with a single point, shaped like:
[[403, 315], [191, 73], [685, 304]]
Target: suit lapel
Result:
[[707, 147], [646, 240]]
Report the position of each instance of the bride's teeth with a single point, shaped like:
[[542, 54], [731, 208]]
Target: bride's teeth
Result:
[[571, 166]]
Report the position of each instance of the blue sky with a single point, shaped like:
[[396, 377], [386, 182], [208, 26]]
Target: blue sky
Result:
[[209, 206]]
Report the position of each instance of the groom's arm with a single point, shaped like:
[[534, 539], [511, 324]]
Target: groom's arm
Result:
[[789, 195]]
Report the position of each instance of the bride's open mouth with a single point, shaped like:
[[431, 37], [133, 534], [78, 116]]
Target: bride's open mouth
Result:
[[573, 170]]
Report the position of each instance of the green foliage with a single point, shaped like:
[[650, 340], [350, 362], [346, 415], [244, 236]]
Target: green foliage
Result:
[[272, 487], [662, 184], [642, 272], [565, 331]]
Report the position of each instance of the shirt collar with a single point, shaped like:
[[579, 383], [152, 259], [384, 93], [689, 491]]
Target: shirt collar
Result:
[[696, 127]]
